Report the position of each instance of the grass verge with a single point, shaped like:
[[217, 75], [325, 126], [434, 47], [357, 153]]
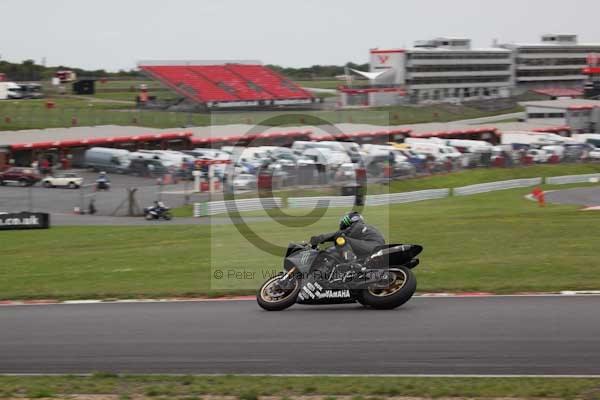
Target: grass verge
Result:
[[33, 114], [497, 242], [246, 387], [441, 181]]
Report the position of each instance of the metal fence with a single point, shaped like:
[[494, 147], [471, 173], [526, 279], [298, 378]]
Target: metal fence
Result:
[[221, 207], [493, 186], [561, 180], [397, 198], [320, 202]]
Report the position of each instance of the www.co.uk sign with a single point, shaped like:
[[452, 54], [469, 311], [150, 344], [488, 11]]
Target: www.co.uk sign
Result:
[[24, 220]]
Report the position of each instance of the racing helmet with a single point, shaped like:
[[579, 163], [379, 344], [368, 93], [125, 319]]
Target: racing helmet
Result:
[[350, 219]]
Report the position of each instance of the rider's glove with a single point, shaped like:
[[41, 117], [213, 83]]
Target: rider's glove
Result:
[[316, 240]]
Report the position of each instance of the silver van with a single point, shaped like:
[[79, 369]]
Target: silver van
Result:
[[107, 159]]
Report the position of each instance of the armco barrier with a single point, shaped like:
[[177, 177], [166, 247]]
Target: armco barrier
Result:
[[221, 207], [372, 200], [493, 186], [561, 180], [409, 197], [320, 202]]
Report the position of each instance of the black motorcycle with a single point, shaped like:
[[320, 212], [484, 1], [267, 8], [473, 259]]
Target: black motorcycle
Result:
[[102, 185], [153, 213], [383, 280]]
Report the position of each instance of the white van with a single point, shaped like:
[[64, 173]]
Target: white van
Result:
[[555, 151], [439, 151], [589, 138], [469, 146], [170, 157], [524, 137], [211, 154], [326, 156], [107, 159], [10, 90], [378, 150], [352, 149]]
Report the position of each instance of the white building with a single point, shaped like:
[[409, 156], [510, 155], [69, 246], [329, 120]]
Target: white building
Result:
[[557, 61], [581, 116], [443, 69], [448, 68]]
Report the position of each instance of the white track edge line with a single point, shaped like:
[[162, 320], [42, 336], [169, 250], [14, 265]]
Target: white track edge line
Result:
[[217, 300], [545, 376]]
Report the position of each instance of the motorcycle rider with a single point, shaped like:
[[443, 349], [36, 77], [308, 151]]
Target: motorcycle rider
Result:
[[159, 207], [102, 182], [363, 238]]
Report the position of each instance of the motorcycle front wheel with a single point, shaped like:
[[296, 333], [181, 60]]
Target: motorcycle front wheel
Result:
[[401, 288], [167, 216], [272, 297]]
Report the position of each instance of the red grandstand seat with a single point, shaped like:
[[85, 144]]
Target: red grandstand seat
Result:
[[227, 82]]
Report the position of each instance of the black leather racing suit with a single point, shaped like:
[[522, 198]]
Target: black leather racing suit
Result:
[[363, 238]]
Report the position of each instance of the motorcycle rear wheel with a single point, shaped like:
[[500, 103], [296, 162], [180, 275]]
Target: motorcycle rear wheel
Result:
[[399, 291], [271, 298]]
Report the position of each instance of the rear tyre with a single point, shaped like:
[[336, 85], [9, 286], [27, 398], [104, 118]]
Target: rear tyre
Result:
[[272, 298], [73, 185], [399, 291], [47, 185], [149, 217], [23, 182]]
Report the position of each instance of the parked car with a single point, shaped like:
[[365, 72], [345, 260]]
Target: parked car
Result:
[[538, 155], [69, 180], [346, 172], [31, 90], [244, 182], [594, 154], [20, 176]]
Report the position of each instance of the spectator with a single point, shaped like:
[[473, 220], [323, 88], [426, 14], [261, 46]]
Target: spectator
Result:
[[44, 166]]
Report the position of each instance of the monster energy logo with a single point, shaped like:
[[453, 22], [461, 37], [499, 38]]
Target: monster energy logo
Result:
[[304, 257]]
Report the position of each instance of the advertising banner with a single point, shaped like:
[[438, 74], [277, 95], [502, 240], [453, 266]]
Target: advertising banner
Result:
[[24, 220]]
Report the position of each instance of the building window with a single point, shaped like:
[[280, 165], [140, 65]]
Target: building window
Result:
[[559, 50], [551, 61], [560, 72], [459, 68], [459, 56], [448, 80]]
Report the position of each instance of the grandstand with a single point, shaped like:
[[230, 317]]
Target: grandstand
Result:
[[222, 84]]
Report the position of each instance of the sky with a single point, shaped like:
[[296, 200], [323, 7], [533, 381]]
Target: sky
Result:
[[116, 34]]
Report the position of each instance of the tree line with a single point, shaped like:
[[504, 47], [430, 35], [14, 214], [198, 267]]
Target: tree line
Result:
[[28, 70], [317, 71]]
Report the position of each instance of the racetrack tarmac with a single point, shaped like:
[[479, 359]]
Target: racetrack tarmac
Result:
[[92, 220], [589, 196], [480, 335]]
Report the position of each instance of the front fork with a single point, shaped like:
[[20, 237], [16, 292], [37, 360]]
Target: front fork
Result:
[[285, 281]]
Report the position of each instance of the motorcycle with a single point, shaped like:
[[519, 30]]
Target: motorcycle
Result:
[[102, 185], [152, 213], [383, 280]]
